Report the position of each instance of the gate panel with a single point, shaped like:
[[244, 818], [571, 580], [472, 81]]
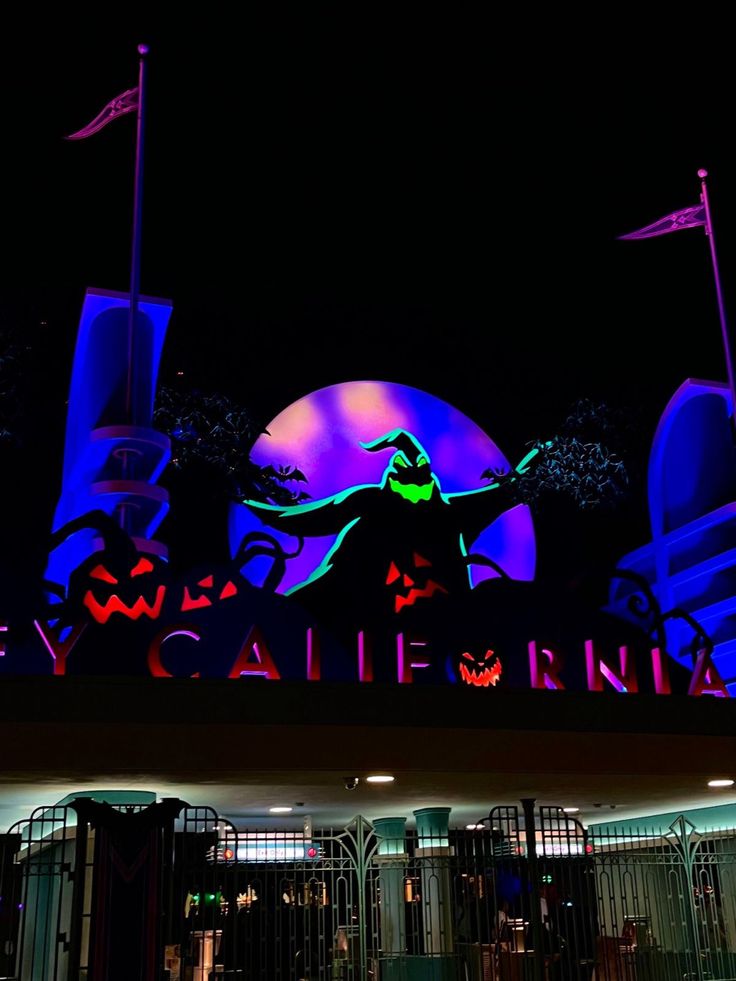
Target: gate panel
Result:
[[38, 889], [666, 903], [268, 905], [713, 896], [365, 904]]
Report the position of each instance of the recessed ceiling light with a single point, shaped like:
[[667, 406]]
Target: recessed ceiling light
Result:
[[380, 778], [571, 810], [720, 783], [280, 810]]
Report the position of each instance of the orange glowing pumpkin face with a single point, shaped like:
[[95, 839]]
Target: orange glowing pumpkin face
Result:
[[126, 591], [413, 583], [480, 672]]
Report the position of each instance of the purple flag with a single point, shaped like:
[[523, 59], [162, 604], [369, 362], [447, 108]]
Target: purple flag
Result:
[[687, 218], [119, 106]]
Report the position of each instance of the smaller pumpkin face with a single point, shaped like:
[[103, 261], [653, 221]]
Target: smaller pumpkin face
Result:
[[412, 583], [480, 672], [117, 587], [208, 590]]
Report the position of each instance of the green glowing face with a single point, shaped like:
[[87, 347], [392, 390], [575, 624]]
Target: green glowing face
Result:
[[414, 482], [411, 492]]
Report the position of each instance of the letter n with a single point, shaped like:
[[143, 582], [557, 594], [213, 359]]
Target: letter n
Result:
[[623, 678]]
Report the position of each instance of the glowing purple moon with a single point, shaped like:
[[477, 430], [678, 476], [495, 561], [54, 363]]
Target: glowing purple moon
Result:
[[321, 433]]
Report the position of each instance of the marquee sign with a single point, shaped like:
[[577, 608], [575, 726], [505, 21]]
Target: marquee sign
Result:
[[179, 647], [405, 557], [389, 574]]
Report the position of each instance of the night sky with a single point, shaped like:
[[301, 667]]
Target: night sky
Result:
[[433, 202]]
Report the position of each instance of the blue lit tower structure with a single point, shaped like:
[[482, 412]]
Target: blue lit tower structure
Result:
[[690, 562], [112, 456]]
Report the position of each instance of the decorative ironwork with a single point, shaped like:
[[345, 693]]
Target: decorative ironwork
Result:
[[522, 893], [644, 606]]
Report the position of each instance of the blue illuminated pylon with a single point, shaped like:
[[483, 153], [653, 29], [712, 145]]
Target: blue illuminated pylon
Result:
[[690, 562], [113, 457]]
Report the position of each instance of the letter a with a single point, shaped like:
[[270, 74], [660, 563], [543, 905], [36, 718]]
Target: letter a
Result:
[[254, 658], [706, 680]]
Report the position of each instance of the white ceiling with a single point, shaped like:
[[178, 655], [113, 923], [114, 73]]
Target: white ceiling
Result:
[[244, 798]]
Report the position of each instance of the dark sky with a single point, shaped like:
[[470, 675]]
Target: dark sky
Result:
[[332, 196]]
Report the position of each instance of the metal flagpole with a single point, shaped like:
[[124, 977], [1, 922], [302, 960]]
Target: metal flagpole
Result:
[[135, 257], [702, 174]]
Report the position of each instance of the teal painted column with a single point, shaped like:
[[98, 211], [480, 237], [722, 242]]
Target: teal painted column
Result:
[[433, 857], [391, 859]]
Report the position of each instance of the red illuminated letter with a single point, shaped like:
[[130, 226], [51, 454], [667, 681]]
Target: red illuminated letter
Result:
[[661, 672], [254, 658], [314, 655], [365, 657], [408, 661], [59, 650], [155, 665], [545, 663], [622, 678], [706, 680]]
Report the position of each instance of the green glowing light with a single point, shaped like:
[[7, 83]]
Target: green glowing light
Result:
[[411, 492]]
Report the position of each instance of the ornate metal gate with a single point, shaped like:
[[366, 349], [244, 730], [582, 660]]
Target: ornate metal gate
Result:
[[667, 902], [81, 892], [265, 904], [527, 893], [39, 916]]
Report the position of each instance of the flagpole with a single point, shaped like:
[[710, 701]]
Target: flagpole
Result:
[[135, 257], [702, 174]]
